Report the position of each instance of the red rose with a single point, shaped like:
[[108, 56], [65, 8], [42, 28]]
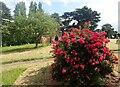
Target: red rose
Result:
[[81, 40], [76, 66], [107, 40], [96, 62], [101, 58], [98, 44], [53, 41], [93, 64], [73, 40], [82, 66], [63, 71], [68, 41], [90, 61], [78, 59], [54, 73], [74, 72]]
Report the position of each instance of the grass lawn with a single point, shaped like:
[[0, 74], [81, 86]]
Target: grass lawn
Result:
[[21, 47], [25, 59], [9, 77], [34, 54]]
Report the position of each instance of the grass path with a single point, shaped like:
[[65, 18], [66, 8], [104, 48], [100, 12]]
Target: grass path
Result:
[[26, 55], [25, 64]]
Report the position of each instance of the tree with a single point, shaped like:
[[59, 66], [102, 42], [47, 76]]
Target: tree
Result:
[[39, 7], [56, 16], [20, 9], [80, 16], [4, 11], [109, 30], [32, 8], [5, 18], [41, 24]]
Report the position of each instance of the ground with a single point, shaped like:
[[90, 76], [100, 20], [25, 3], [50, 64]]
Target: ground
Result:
[[35, 74]]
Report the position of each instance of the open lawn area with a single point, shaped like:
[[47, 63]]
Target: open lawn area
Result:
[[23, 53], [33, 54], [9, 77]]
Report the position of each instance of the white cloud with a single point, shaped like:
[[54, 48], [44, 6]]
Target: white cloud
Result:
[[108, 10], [48, 2]]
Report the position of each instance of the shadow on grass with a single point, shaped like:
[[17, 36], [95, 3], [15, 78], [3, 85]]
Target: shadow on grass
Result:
[[41, 77]]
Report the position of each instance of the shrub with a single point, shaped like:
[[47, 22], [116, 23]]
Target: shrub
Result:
[[81, 57]]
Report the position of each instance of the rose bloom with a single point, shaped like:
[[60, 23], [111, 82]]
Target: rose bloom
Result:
[[82, 66], [90, 61], [73, 40], [81, 40], [76, 66], [54, 73], [63, 71], [68, 41]]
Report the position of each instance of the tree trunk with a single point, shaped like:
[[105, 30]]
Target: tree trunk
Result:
[[50, 39], [36, 45], [38, 40]]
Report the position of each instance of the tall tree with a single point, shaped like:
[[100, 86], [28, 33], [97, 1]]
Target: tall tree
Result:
[[4, 11], [56, 16], [39, 7], [80, 16], [108, 28], [32, 8], [20, 9]]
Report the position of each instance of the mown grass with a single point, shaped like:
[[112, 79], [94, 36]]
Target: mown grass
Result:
[[36, 54], [26, 59], [113, 45], [20, 48], [9, 77]]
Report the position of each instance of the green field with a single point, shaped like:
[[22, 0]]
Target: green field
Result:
[[9, 77], [20, 48], [28, 55]]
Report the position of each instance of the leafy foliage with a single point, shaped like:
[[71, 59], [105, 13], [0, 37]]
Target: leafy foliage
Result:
[[80, 16], [23, 30], [5, 11], [109, 30], [20, 9]]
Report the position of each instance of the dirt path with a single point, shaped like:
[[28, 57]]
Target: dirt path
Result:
[[31, 73], [25, 64]]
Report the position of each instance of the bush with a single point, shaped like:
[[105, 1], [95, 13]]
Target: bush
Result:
[[81, 57]]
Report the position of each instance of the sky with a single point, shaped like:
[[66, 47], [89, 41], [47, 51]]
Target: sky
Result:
[[108, 9]]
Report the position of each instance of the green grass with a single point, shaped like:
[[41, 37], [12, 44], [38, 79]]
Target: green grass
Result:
[[26, 59], [9, 77], [21, 47]]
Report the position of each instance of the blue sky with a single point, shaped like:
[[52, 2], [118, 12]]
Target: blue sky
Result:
[[107, 8]]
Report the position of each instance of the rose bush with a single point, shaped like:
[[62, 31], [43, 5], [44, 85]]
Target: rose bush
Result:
[[81, 57]]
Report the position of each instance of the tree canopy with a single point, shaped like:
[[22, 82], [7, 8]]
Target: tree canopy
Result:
[[108, 28], [20, 9], [5, 11], [28, 29], [80, 16]]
